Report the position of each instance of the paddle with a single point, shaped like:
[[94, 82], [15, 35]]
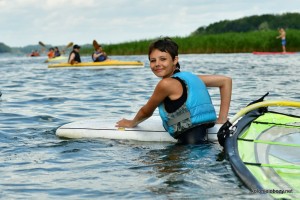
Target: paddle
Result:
[[68, 46], [42, 44], [95, 44]]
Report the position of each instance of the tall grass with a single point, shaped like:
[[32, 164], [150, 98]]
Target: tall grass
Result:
[[212, 43]]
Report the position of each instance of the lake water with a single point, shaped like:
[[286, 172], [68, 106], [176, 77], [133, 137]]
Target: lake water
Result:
[[35, 101]]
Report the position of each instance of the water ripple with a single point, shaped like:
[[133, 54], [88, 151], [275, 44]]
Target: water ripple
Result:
[[35, 100]]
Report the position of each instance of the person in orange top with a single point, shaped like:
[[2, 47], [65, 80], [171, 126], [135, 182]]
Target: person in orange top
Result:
[[51, 53]]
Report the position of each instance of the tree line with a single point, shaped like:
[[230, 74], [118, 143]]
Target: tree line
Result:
[[4, 48], [252, 23]]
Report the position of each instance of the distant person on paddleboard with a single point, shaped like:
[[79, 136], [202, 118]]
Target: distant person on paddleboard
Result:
[[74, 56], [282, 35], [182, 98], [99, 55]]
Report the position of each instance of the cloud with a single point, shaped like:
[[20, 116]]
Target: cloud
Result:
[[58, 22]]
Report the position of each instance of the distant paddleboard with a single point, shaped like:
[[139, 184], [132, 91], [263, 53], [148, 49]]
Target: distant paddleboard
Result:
[[272, 53], [150, 130]]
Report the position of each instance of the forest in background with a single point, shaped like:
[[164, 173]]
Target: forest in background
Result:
[[247, 34], [4, 48], [264, 22]]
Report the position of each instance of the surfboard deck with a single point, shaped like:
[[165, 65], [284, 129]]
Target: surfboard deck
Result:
[[150, 130], [100, 65]]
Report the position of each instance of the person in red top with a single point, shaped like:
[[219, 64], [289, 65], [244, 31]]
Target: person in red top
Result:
[[34, 53], [51, 53]]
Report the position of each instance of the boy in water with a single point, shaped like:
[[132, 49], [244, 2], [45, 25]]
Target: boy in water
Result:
[[182, 98]]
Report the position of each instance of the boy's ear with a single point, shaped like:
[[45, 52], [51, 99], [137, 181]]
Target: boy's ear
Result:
[[176, 59]]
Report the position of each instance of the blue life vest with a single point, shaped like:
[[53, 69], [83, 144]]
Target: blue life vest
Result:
[[56, 53], [197, 109], [100, 58]]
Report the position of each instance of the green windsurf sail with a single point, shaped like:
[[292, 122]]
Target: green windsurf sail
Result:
[[263, 148]]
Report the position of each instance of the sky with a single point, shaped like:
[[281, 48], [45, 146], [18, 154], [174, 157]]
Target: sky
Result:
[[58, 22]]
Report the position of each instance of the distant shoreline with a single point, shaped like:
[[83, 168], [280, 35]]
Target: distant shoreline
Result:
[[205, 43]]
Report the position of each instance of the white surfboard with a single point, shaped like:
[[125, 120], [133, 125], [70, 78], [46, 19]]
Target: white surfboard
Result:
[[151, 130]]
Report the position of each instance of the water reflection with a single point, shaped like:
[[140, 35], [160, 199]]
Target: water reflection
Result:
[[181, 168]]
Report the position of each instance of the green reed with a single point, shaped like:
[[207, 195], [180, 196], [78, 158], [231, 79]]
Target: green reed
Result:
[[212, 43]]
